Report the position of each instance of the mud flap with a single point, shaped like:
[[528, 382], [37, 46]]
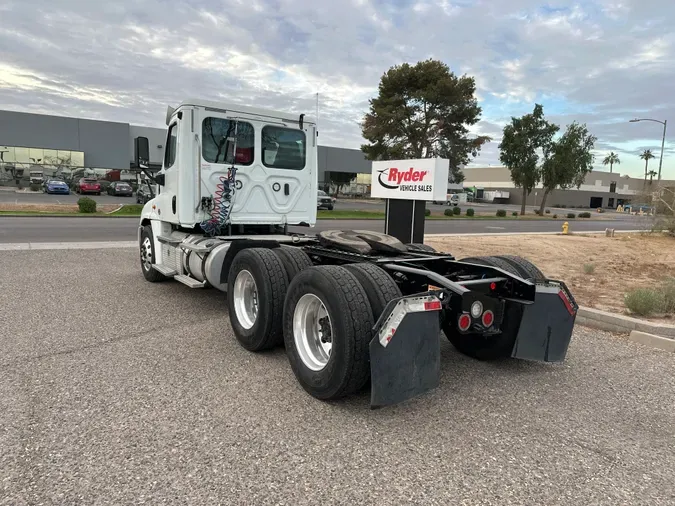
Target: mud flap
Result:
[[546, 327], [405, 354]]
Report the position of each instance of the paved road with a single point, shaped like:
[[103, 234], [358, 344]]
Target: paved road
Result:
[[118, 391], [40, 229]]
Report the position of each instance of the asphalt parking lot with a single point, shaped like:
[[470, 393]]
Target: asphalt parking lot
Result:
[[114, 390]]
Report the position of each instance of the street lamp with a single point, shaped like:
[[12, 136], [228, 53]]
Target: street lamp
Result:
[[663, 140]]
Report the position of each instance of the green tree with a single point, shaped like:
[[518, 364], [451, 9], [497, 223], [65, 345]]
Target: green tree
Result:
[[646, 155], [611, 159], [569, 161], [522, 140], [423, 111], [651, 175]]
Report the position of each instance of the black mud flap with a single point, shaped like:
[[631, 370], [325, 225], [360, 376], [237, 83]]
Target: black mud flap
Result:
[[546, 327], [405, 354]]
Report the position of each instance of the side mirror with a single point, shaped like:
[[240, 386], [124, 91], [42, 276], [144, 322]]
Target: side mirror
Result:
[[160, 179], [141, 151]]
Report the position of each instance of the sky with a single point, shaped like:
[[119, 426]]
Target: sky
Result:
[[599, 62]]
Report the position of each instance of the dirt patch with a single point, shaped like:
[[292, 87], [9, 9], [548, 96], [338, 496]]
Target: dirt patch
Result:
[[53, 208], [620, 263]]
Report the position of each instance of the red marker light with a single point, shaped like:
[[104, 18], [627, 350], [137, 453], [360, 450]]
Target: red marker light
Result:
[[432, 306], [493, 286], [464, 322], [488, 318]]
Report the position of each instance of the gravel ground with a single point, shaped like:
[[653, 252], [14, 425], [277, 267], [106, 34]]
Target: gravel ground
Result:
[[114, 390]]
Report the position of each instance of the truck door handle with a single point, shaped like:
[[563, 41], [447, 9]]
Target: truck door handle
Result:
[[173, 204], [287, 189]]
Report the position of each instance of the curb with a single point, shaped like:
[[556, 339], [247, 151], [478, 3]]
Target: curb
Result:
[[589, 232], [661, 343], [611, 322]]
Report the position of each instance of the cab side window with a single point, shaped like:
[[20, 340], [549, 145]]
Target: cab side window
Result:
[[170, 153]]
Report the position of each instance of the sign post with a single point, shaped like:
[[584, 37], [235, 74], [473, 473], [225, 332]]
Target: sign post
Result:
[[407, 185]]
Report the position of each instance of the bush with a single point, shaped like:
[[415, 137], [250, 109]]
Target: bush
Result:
[[86, 205], [536, 211], [501, 213], [589, 268], [34, 187], [548, 211], [668, 291], [571, 216], [457, 211], [514, 213], [427, 212], [585, 214], [564, 206], [644, 301], [470, 212], [448, 212], [555, 216]]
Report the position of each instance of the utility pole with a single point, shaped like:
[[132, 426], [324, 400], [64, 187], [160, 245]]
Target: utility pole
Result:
[[663, 139]]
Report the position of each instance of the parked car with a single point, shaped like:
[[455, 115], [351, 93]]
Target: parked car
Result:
[[56, 186], [143, 194], [323, 200], [120, 188], [88, 185]]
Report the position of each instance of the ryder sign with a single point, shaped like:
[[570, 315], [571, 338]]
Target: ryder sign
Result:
[[424, 179]]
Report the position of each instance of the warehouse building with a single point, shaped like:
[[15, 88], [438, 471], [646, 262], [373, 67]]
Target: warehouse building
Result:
[[600, 189], [75, 147]]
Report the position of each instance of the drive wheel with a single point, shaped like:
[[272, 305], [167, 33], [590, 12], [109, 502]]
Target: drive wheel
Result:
[[256, 286], [526, 268], [147, 253], [327, 331], [294, 260], [420, 247]]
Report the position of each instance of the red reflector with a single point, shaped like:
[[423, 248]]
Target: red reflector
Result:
[[488, 318], [432, 306], [493, 286], [568, 305], [464, 322]]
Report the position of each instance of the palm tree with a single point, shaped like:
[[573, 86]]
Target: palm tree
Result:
[[646, 156], [651, 175], [611, 159]]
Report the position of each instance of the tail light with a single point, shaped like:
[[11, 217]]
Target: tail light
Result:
[[488, 318], [464, 322]]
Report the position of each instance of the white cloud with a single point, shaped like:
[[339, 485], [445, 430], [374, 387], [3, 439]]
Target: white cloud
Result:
[[600, 61]]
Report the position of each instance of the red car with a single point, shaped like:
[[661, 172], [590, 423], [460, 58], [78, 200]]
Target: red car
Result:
[[88, 185]]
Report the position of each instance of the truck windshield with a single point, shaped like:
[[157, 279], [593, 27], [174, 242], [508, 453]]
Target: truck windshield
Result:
[[218, 141]]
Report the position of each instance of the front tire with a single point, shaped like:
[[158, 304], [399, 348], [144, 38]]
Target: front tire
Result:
[[256, 287], [327, 331], [147, 253]]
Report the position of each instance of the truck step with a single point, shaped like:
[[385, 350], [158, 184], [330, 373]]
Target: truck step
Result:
[[163, 269], [197, 248], [188, 281], [169, 240]]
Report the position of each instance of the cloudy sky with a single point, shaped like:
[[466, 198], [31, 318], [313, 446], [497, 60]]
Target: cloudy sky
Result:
[[601, 62]]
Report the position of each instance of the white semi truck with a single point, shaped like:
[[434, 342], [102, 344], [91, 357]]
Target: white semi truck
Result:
[[352, 308]]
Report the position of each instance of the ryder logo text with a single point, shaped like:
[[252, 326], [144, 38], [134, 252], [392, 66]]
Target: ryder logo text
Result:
[[393, 178]]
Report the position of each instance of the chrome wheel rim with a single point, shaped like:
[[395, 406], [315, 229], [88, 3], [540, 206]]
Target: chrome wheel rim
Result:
[[245, 293], [312, 332], [146, 254]]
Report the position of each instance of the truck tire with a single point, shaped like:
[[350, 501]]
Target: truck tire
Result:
[[294, 260], [420, 247], [491, 347], [526, 268], [147, 256], [255, 298], [328, 325]]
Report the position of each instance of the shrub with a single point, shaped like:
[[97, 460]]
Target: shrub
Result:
[[514, 213], [668, 291], [427, 212], [34, 187], [564, 206], [536, 211], [86, 205], [457, 211], [585, 214], [589, 268], [448, 212], [501, 213], [601, 210], [644, 301], [571, 216], [470, 212], [555, 216], [548, 211]]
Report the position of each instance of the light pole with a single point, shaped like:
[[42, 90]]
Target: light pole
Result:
[[663, 139]]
